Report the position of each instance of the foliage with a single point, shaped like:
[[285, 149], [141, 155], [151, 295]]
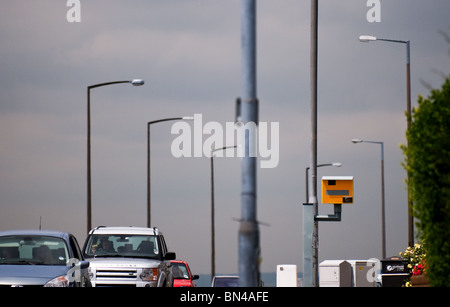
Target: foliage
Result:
[[416, 257], [420, 268], [427, 161]]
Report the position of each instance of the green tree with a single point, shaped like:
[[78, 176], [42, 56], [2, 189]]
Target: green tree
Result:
[[427, 161]]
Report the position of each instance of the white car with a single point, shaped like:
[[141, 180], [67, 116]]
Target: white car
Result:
[[125, 256]]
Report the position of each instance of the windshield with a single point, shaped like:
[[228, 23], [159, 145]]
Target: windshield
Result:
[[226, 282], [179, 271], [41, 250], [122, 246]]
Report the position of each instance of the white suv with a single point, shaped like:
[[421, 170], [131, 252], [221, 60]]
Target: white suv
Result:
[[125, 256]]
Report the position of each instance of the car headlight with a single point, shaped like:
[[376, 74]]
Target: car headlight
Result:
[[60, 281], [149, 275]]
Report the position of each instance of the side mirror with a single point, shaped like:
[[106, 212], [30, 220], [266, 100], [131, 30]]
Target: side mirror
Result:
[[194, 277], [83, 264], [170, 256]]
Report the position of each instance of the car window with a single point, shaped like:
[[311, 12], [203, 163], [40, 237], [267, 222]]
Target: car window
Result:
[[75, 248], [39, 250], [122, 246], [179, 271]]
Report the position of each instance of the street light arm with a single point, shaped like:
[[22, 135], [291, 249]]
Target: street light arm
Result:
[[392, 40], [135, 82], [364, 141], [222, 148], [169, 119], [164, 120], [372, 142], [370, 38]]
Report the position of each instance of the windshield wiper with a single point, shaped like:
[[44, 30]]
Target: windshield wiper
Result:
[[124, 256], [107, 255]]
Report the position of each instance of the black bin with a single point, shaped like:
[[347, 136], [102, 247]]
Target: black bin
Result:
[[394, 272]]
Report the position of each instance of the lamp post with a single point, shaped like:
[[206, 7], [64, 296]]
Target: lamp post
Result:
[[148, 160], [336, 164], [248, 234], [134, 82], [310, 208], [383, 218], [213, 226], [369, 38], [313, 280]]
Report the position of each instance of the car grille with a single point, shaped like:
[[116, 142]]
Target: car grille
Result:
[[122, 274], [116, 277]]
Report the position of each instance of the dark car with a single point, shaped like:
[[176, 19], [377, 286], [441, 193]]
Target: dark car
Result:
[[225, 281], [41, 258]]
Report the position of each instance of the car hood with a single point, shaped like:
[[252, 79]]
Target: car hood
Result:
[[30, 274], [112, 262]]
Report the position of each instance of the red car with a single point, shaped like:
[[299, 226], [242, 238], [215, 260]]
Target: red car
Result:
[[182, 276]]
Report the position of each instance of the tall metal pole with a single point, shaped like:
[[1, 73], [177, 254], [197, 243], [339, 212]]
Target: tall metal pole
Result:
[[408, 110], [249, 249], [383, 204], [383, 207], [368, 38], [134, 82], [310, 209], [213, 223], [89, 192], [149, 208], [213, 226]]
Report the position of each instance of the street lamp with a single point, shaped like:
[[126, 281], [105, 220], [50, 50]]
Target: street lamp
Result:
[[383, 221], [369, 38], [335, 164], [134, 82], [213, 227], [314, 253], [148, 160]]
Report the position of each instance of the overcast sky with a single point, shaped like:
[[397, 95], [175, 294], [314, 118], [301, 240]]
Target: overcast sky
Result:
[[188, 53]]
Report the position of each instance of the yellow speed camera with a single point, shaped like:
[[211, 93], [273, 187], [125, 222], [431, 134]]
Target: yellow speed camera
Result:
[[337, 189]]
